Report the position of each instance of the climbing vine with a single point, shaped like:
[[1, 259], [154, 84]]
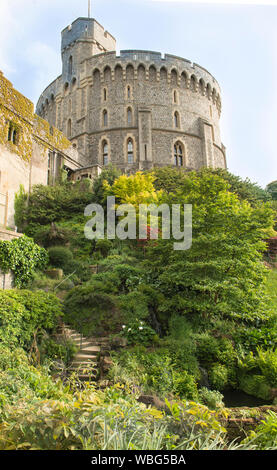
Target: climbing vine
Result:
[[22, 256]]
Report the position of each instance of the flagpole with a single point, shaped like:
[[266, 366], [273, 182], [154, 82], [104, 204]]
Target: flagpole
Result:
[[89, 8]]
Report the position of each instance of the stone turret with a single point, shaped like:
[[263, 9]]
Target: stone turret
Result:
[[136, 110]]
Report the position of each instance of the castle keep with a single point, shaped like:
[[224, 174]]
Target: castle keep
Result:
[[135, 110]]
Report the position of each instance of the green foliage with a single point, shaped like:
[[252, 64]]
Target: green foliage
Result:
[[108, 174], [59, 256], [23, 312], [153, 371], [53, 203], [272, 189], [22, 256], [90, 310], [245, 189], [56, 350], [221, 275], [218, 376], [213, 399], [168, 179], [103, 246], [138, 332], [265, 435], [255, 385], [20, 207]]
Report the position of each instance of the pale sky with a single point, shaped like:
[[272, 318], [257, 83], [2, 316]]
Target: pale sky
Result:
[[236, 41]]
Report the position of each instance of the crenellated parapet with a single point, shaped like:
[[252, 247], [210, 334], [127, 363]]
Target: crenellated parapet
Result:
[[135, 109]]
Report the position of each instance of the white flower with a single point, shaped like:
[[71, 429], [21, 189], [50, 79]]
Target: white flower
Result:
[[123, 326], [129, 329], [141, 328]]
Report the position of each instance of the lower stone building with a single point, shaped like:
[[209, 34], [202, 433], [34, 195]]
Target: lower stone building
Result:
[[31, 150]]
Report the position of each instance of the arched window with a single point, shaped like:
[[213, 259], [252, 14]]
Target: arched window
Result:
[[70, 65], [129, 116], [176, 119], [130, 151], [69, 129], [178, 154], [105, 153], [105, 117], [13, 134]]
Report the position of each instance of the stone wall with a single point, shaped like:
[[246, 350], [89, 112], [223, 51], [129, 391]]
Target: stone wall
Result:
[[154, 100], [31, 150], [6, 280]]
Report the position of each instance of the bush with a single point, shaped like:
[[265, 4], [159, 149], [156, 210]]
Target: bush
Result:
[[22, 256], [133, 306], [60, 257], [23, 312], [218, 376], [91, 310], [213, 399], [138, 332], [255, 385]]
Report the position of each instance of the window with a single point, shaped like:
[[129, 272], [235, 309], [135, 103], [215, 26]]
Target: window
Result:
[[70, 65], [176, 119], [175, 97], [105, 94], [128, 92], [105, 153], [130, 151], [178, 154], [69, 128], [105, 118], [129, 116], [13, 133]]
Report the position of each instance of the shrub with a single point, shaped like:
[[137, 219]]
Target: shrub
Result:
[[218, 376], [138, 332], [22, 312], [255, 385], [60, 257], [22, 256], [133, 306], [91, 310], [213, 399], [265, 434]]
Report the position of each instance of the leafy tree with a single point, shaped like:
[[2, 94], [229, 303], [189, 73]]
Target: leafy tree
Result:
[[272, 189], [244, 189], [109, 174], [168, 179], [135, 189], [222, 273]]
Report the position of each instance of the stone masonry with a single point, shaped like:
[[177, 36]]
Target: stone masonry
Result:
[[135, 110]]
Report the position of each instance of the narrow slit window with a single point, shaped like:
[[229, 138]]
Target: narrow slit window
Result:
[[105, 153], [130, 148], [105, 118], [129, 116]]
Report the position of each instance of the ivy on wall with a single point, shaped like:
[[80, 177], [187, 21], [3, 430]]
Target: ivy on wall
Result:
[[22, 256]]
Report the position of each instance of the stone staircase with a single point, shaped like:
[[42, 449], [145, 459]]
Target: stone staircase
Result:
[[92, 358]]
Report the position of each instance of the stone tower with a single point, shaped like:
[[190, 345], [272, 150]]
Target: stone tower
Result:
[[136, 110]]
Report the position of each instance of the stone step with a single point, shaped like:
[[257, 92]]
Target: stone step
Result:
[[80, 357], [83, 363], [90, 349]]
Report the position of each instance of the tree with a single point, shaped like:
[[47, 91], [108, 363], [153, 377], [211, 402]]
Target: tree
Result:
[[272, 189], [221, 275]]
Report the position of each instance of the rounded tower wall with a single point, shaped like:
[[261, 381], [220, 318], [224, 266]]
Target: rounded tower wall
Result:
[[142, 97]]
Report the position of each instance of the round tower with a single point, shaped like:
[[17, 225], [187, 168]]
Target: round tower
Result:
[[135, 110]]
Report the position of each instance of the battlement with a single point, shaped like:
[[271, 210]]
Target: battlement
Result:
[[87, 29]]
